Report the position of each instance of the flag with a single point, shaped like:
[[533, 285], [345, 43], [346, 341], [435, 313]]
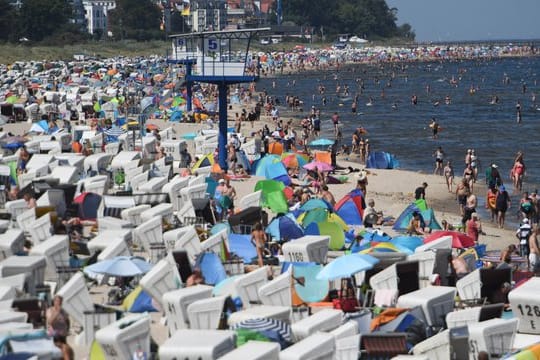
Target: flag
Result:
[[185, 9]]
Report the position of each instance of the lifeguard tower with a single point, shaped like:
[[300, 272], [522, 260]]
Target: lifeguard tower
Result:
[[221, 58]]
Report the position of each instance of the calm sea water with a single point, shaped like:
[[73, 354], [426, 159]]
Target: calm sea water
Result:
[[469, 121]]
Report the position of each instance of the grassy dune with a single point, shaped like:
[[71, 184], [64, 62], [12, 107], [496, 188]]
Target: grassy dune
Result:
[[26, 52]]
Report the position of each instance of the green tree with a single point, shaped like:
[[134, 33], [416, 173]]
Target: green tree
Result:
[[136, 19], [41, 18], [7, 20]]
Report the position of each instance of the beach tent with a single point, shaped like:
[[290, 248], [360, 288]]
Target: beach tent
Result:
[[381, 160], [284, 228], [242, 246], [331, 229], [272, 195], [420, 206], [272, 168], [351, 207], [87, 204], [211, 267], [204, 161], [138, 301]]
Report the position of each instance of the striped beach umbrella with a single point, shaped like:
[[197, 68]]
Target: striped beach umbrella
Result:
[[266, 325]]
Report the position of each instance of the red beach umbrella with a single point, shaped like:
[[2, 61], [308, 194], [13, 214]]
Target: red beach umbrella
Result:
[[459, 240]]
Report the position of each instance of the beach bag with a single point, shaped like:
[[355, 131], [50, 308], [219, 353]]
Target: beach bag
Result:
[[346, 301]]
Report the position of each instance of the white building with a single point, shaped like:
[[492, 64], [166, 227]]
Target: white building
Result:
[[96, 14]]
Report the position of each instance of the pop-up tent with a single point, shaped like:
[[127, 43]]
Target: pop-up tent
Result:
[[419, 206], [351, 207], [273, 196], [381, 160]]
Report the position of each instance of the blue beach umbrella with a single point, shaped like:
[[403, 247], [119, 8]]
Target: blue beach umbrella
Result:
[[284, 228], [409, 242], [346, 266], [120, 266]]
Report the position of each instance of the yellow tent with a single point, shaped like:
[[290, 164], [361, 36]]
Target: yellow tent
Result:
[[96, 352]]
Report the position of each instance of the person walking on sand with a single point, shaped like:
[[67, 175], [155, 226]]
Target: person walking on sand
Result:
[[502, 204], [449, 175], [491, 202], [439, 156]]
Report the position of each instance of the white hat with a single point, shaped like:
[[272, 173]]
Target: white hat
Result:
[[362, 174], [221, 181], [525, 221], [494, 166]]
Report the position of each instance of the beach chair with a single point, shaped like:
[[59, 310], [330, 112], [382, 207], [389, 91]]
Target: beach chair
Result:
[[317, 346], [176, 302], [116, 247], [206, 313], [254, 350], [32, 266], [198, 344], [133, 215], [249, 200], [153, 185], [40, 229], [138, 180], [247, 286], [56, 250], [148, 233], [173, 188], [277, 292], [163, 277], [11, 243], [163, 211], [383, 345], [324, 320], [125, 337], [15, 208]]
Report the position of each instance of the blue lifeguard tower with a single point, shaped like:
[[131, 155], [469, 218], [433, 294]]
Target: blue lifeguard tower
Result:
[[220, 58]]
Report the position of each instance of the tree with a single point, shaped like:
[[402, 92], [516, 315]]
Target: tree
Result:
[[7, 21], [136, 19], [40, 18]]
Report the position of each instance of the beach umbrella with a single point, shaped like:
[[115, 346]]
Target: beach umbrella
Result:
[[318, 165], [409, 242], [387, 247], [266, 325], [316, 204], [120, 266], [310, 289], [284, 228], [39, 127], [331, 229], [346, 266], [321, 142], [459, 240], [114, 131]]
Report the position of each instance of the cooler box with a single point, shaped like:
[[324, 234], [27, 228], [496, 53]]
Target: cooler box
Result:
[[277, 292], [320, 346], [254, 350], [325, 320], [123, 338], [309, 248], [281, 313], [56, 251], [104, 238], [348, 348], [496, 336], [11, 243], [436, 302], [149, 232], [436, 347], [197, 345], [117, 247], [32, 266], [163, 277], [350, 328], [525, 303], [190, 243], [247, 286], [175, 304], [164, 211], [76, 299], [206, 314]]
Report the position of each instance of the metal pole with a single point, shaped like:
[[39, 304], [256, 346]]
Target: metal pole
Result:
[[189, 90], [222, 137]]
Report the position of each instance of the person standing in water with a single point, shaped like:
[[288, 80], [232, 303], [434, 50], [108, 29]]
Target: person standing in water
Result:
[[439, 155], [434, 127], [518, 112]]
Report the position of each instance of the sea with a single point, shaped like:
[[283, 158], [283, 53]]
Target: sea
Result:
[[471, 119]]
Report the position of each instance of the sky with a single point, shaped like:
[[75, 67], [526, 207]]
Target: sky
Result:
[[452, 20]]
